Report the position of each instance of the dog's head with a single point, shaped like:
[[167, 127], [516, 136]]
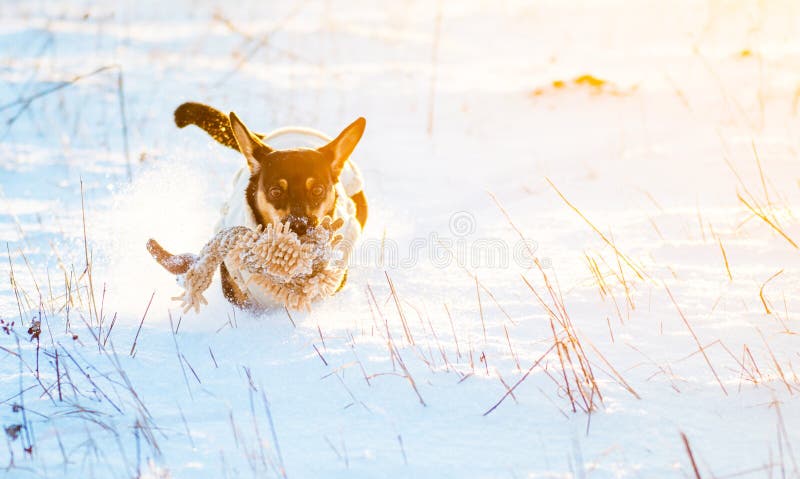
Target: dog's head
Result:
[[294, 185]]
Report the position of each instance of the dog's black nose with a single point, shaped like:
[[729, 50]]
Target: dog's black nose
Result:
[[298, 224]]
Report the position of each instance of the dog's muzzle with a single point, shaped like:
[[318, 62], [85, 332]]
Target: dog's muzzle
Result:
[[300, 224]]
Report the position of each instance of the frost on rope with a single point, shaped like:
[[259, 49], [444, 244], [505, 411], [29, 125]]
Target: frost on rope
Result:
[[294, 271]]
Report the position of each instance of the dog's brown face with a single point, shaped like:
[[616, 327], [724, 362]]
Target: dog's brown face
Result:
[[294, 185]]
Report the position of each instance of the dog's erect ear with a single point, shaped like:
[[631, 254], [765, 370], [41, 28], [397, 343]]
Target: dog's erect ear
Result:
[[248, 142], [343, 145]]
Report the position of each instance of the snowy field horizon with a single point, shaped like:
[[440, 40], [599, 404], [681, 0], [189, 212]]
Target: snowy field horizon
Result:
[[581, 258]]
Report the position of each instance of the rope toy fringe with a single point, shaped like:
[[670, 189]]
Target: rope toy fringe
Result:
[[295, 271]]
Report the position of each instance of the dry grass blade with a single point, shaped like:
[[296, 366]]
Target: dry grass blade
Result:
[[619, 377], [761, 215], [510, 391], [58, 86], [511, 349], [88, 260], [453, 329], [724, 258], [624, 258], [778, 367], [696, 340], [480, 309], [393, 352], [582, 374], [136, 338], [406, 329], [761, 291], [691, 456], [274, 435], [437, 30]]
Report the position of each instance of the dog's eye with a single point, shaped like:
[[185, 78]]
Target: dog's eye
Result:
[[275, 192], [317, 191]]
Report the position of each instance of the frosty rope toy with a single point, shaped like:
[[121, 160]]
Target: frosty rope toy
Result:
[[295, 271]]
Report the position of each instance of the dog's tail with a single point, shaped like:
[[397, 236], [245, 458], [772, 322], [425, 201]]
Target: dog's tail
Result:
[[211, 120]]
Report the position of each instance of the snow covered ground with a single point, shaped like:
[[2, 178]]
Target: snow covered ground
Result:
[[662, 304]]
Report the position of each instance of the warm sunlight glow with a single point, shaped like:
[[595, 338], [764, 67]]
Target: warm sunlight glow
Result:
[[450, 238]]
